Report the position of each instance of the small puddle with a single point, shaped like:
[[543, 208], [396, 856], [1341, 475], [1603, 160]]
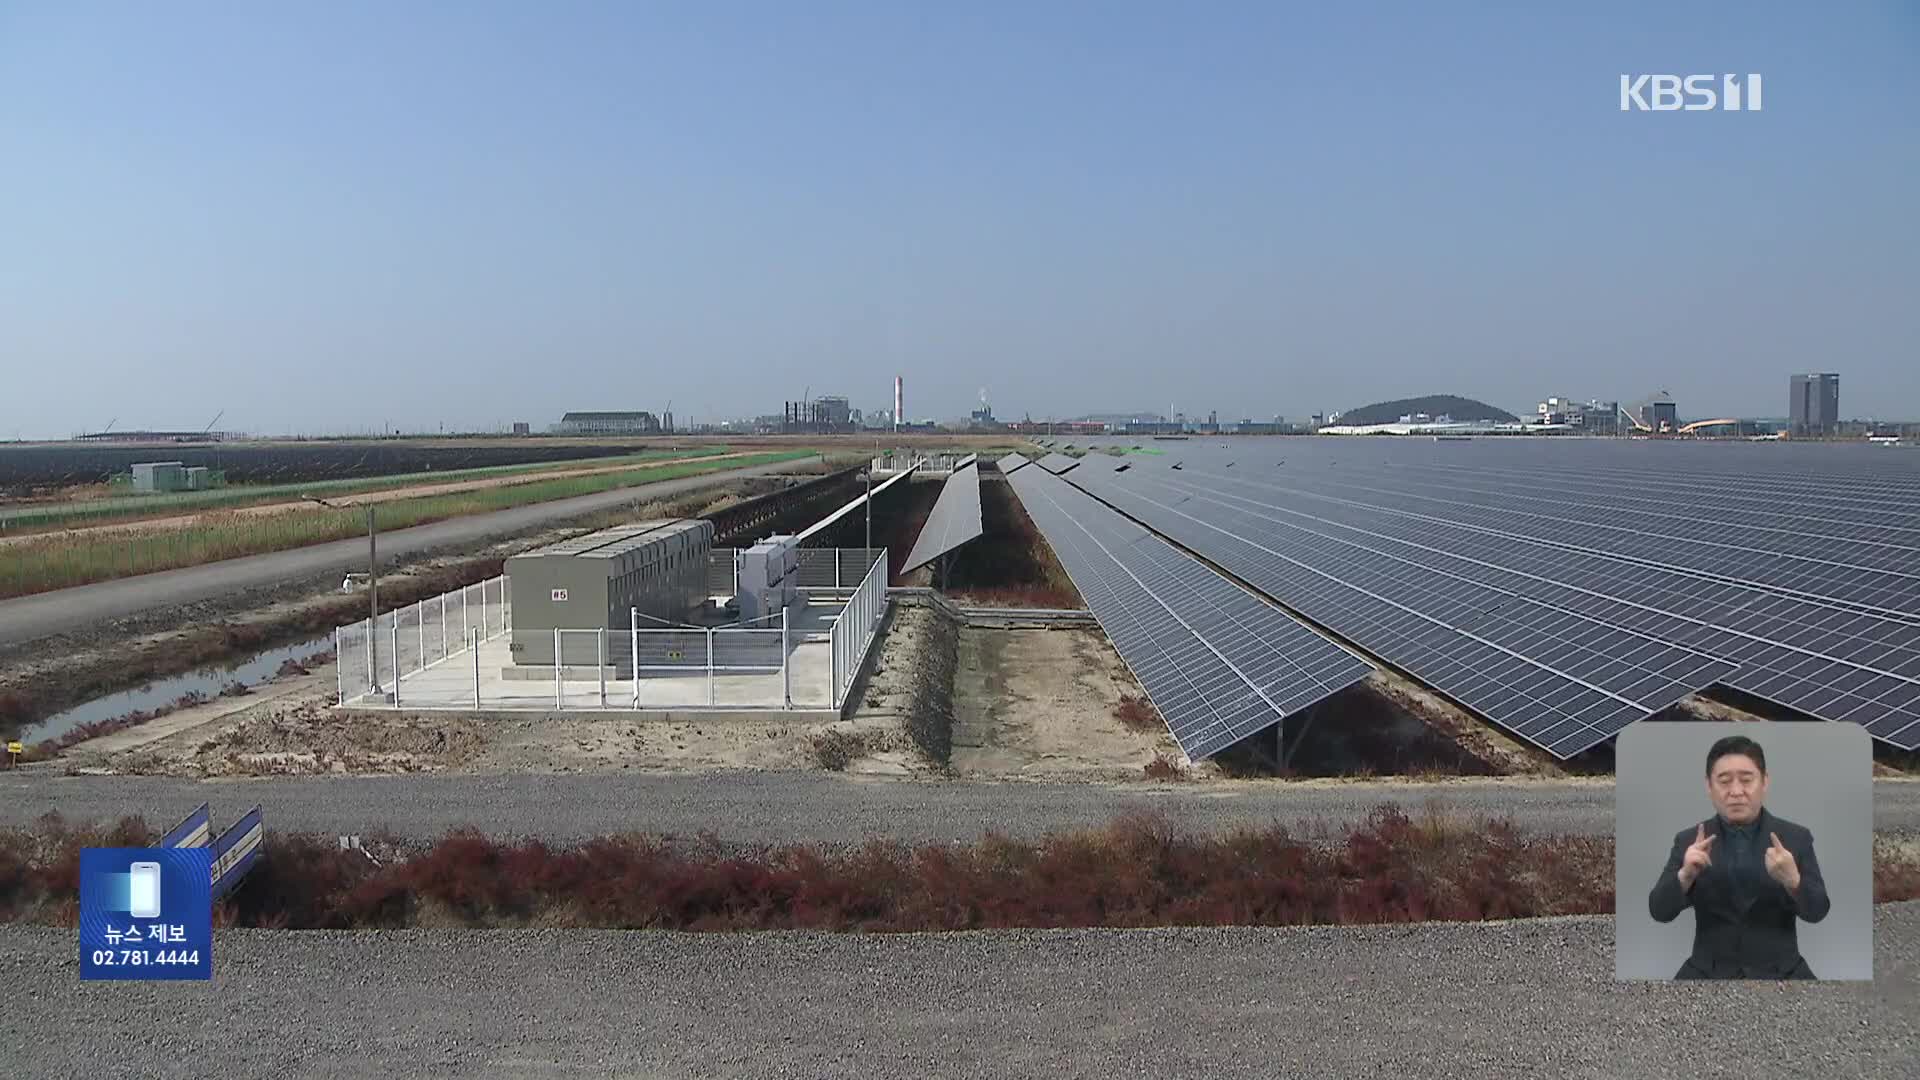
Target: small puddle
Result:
[[208, 681]]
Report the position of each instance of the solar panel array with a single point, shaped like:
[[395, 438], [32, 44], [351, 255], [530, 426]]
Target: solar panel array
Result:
[[954, 520], [1218, 662], [1057, 463], [1011, 462], [1566, 590]]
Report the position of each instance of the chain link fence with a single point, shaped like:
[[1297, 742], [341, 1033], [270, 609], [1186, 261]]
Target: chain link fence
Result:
[[373, 655]]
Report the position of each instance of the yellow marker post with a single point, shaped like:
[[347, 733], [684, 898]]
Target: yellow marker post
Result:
[[14, 750]]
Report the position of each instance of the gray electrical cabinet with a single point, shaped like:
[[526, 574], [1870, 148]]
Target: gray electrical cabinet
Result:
[[592, 582], [158, 476], [769, 577]]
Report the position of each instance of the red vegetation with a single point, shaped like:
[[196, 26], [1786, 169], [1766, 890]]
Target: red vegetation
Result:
[[1163, 767], [1136, 713], [1137, 872]]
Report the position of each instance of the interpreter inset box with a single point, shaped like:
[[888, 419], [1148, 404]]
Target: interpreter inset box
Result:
[[1743, 850]]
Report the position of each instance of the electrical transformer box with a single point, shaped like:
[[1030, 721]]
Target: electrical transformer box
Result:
[[595, 581], [769, 577]]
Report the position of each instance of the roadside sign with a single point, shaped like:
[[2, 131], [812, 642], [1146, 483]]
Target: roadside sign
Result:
[[194, 831], [236, 851], [14, 747], [559, 596]]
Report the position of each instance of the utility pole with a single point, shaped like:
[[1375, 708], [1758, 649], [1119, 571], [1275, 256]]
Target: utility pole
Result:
[[870, 465], [373, 597]]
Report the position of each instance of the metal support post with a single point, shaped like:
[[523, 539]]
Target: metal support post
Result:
[[711, 690], [786, 680], [339, 671], [486, 629], [443, 627], [600, 662], [558, 694], [466, 629], [373, 612], [633, 616], [420, 624], [393, 629], [473, 642]]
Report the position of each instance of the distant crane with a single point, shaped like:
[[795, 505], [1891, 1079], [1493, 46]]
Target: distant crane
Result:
[[205, 431]]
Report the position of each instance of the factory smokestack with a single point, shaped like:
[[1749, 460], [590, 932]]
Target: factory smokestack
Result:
[[899, 401]]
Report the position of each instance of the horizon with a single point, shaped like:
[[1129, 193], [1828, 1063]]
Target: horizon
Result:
[[360, 218]]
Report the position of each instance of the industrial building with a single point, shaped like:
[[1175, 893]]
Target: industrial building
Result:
[[608, 423], [820, 416], [1660, 416], [592, 582], [1813, 405]]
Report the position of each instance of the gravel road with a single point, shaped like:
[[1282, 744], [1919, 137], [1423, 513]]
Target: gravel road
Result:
[[28, 617], [1520, 999], [765, 807]]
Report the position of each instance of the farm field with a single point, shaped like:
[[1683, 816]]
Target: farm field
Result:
[[66, 560], [31, 467], [43, 516]]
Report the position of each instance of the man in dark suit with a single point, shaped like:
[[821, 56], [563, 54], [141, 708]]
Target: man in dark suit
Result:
[[1747, 875]]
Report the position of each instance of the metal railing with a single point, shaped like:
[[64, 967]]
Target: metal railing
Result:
[[853, 631], [373, 656], [819, 568]]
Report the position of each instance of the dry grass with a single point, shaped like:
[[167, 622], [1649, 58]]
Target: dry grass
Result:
[[1163, 767], [1141, 871], [837, 748], [1136, 713]]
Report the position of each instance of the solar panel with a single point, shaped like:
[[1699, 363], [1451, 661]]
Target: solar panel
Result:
[[1011, 462], [1556, 677], [1218, 662], [1057, 463], [1826, 659], [954, 520], [1794, 573]]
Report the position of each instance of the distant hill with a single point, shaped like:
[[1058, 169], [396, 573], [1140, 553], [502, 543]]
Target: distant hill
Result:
[[1459, 408]]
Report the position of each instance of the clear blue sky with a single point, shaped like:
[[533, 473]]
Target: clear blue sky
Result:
[[325, 217]]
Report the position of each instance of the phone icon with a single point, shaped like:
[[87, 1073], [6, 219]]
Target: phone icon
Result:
[[144, 892]]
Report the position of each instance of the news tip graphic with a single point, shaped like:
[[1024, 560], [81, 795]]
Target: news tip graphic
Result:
[[146, 913]]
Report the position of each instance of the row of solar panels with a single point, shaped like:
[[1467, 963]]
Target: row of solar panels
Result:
[[1219, 663], [1564, 604], [954, 519]]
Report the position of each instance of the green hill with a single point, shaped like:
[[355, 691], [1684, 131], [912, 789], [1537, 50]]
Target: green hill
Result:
[[1452, 405]]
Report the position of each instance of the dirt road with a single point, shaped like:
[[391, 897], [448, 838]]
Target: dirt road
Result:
[[1503, 1000]]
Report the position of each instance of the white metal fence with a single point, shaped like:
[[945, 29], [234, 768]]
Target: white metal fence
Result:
[[373, 656], [853, 631], [429, 654], [820, 568]]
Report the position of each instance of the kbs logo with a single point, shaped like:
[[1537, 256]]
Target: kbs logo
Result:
[[1693, 93]]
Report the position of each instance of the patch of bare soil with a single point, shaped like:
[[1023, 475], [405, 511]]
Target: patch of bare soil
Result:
[[1048, 703], [291, 729]]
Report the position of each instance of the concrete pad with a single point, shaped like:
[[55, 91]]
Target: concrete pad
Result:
[[497, 684]]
